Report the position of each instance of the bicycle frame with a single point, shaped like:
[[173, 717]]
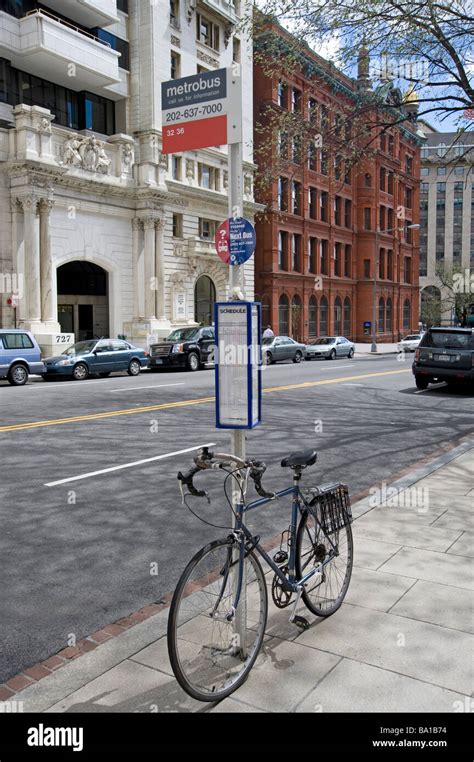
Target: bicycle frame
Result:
[[290, 583]]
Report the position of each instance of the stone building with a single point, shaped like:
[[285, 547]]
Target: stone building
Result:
[[102, 234]]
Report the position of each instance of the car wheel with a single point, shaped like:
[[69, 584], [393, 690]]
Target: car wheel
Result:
[[134, 368], [332, 355], [80, 372], [105, 375], [298, 357], [351, 354], [193, 362], [268, 358], [17, 375], [421, 382]]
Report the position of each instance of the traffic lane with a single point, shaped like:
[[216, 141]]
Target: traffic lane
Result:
[[83, 557], [64, 399]]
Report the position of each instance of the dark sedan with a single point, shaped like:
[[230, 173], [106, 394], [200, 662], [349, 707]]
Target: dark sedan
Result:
[[102, 356]]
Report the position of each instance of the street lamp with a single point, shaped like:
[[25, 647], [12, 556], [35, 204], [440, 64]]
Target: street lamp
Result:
[[376, 265]]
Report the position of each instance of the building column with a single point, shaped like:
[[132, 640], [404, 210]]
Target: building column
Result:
[[150, 276], [160, 269], [137, 225], [48, 286], [29, 205]]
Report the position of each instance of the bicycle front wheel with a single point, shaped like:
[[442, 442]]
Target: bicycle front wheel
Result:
[[324, 592], [211, 652]]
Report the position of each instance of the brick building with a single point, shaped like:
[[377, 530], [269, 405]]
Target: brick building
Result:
[[330, 205]]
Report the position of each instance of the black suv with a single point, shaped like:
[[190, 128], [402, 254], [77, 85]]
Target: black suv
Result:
[[190, 348], [444, 354]]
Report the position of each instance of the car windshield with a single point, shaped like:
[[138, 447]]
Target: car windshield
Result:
[[268, 340], [81, 348], [325, 340], [411, 338], [442, 340], [182, 334]]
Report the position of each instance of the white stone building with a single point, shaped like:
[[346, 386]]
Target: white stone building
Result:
[[102, 234]]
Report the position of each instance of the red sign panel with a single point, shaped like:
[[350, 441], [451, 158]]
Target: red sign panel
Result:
[[201, 133]]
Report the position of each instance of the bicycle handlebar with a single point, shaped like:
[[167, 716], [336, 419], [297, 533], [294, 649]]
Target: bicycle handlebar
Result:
[[204, 460]]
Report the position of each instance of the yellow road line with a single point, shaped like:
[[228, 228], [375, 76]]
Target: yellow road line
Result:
[[184, 403]]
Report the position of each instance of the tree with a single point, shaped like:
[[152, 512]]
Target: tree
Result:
[[455, 295]]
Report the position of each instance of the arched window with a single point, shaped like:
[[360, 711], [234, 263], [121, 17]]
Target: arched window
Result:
[[406, 315], [347, 316], [388, 316], [338, 317], [323, 316], [204, 300], [283, 316], [381, 325], [313, 316], [296, 316]]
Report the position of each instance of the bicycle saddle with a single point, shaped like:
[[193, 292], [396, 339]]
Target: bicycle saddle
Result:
[[301, 458]]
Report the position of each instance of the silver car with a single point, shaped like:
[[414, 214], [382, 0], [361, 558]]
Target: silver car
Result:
[[329, 347], [282, 348]]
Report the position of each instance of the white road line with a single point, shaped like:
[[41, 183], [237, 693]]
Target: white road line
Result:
[[348, 384], [126, 465], [139, 388]]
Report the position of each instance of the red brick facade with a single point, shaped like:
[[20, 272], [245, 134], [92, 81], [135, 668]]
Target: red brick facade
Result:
[[314, 264]]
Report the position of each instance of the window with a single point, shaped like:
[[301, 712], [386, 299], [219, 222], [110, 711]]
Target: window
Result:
[[390, 264], [99, 114], [312, 110], [116, 43], [296, 100], [409, 164], [281, 95], [312, 316], [313, 203], [283, 315], [176, 166], [296, 253], [177, 225], [382, 218], [16, 341], [174, 13], [208, 177], [338, 261], [122, 5], [338, 316], [347, 213], [382, 264], [323, 316], [347, 174], [175, 65], [366, 268], [441, 171], [347, 260], [236, 47], [408, 232], [282, 144], [282, 249], [424, 171], [382, 178], [337, 210], [207, 229], [441, 187], [388, 316], [383, 142], [347, 317], [337, 167], [324, 162], [296, 150], [324, 199], [391, 145], [207, 32], [312, 164], [381, 325], [324, 247], [367, 218], [389, 219], [458, 170], [368, 180], [312, 257], [296, 198], [406, 314], [407, 270], [282, 194], [408, 198]]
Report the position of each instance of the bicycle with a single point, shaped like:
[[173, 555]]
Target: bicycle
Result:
[[219, 608]]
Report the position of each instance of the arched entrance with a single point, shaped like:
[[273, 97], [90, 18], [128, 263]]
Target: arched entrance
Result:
[[83, 300], [204, 300]]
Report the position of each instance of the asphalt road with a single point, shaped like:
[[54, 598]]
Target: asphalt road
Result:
[[79, 554]]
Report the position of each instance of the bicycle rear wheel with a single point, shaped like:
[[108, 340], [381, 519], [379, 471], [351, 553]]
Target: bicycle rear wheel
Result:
[[210, 655], [324, 592]]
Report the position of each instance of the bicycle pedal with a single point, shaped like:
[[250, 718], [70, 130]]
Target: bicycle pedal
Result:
[[280, 557], [301, 622]]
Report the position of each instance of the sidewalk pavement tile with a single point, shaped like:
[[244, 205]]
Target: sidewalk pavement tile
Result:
[[412, 648], [231, 705], [464, 546], [284, 674], [383, 527], [446, 483], [373, 553], [129, 687], [445, 500], [439, 604], [456, 520], [447, 569], [356, 687], [376, 590]]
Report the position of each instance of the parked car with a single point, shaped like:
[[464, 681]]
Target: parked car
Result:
[[281, 348], [409, 343], [102, 356], [20, 355], [190, 348], [444, 354], [330, 347]]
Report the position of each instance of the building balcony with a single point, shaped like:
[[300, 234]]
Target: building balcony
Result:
[[90, 13], [227, 10], [42, 44]]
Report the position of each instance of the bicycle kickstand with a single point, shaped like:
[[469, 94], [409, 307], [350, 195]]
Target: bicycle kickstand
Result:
[[300, 621]]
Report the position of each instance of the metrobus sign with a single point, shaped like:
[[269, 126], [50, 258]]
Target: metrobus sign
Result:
[[202, 110]]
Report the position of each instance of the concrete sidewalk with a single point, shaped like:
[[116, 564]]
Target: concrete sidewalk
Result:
[[382, 349], [402, 641]]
